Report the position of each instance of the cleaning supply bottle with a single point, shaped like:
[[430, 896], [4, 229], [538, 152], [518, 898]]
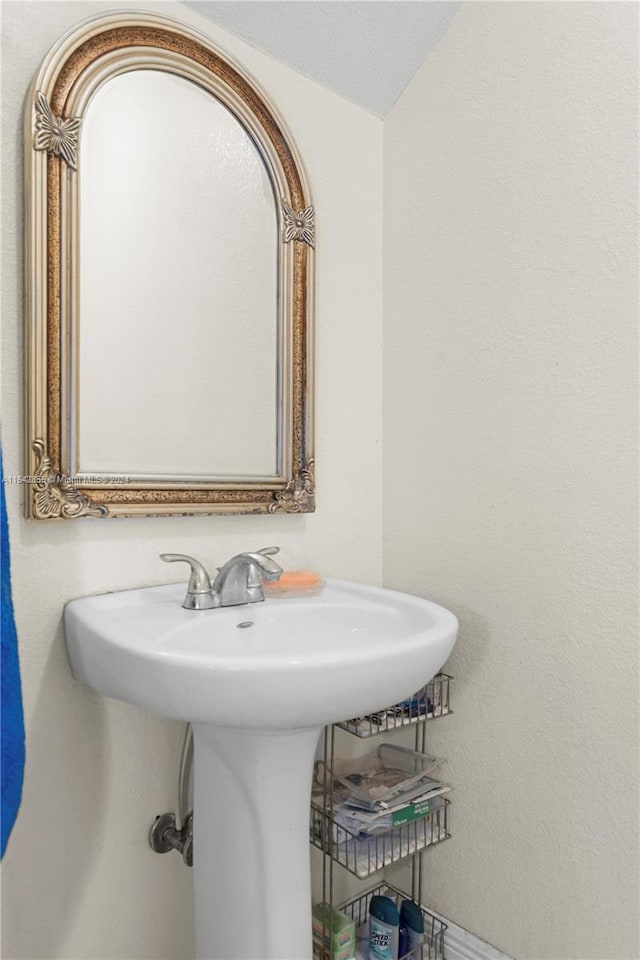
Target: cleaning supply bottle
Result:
[[411, 930], [384, 927]]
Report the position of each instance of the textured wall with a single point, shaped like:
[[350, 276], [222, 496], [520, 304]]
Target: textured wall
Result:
[[510, 443], [78, 879]]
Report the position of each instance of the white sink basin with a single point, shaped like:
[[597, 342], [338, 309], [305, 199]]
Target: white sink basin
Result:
[[303, 662], [258, 697]]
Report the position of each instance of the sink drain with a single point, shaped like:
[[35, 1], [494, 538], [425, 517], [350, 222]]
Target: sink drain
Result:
[[245, 624]]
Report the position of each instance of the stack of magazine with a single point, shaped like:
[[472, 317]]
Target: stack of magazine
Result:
[[380, 791]]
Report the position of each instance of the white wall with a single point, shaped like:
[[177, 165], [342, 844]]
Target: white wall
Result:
[[79, 880], [510, 442]]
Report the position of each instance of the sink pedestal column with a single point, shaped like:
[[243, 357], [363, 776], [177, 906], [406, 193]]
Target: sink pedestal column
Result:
[[251, 857]]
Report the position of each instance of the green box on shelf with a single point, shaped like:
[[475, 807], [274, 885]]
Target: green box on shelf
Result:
[[334, 934], [413, 811]]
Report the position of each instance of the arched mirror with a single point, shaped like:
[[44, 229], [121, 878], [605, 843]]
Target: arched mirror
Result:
[[169, 283]]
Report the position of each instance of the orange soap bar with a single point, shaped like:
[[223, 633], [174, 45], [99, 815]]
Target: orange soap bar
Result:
[[296, 579]]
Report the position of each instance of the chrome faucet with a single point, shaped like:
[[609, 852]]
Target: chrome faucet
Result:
[[238, 581]]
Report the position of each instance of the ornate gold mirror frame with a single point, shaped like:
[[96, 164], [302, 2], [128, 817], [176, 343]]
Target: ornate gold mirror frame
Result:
[[73, 71]]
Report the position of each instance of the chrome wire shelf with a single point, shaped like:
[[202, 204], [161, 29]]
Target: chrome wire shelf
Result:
[[437, 703], [363, 855], [434, 929]]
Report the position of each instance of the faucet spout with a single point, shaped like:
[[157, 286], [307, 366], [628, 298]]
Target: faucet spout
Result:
[[240, 579]]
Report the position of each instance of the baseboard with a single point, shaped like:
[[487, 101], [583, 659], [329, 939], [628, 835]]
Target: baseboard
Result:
[[459, 944]]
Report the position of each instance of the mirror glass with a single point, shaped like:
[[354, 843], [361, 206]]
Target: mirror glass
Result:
[[177, 345]]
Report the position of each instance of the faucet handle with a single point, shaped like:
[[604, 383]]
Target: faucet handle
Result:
[[265, 552], [199, 581]]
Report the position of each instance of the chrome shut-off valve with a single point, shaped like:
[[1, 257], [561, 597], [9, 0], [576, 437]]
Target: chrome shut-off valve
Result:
[[164, 836]]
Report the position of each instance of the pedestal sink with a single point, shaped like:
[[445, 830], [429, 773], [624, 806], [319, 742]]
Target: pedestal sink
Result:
[[258, 682]]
